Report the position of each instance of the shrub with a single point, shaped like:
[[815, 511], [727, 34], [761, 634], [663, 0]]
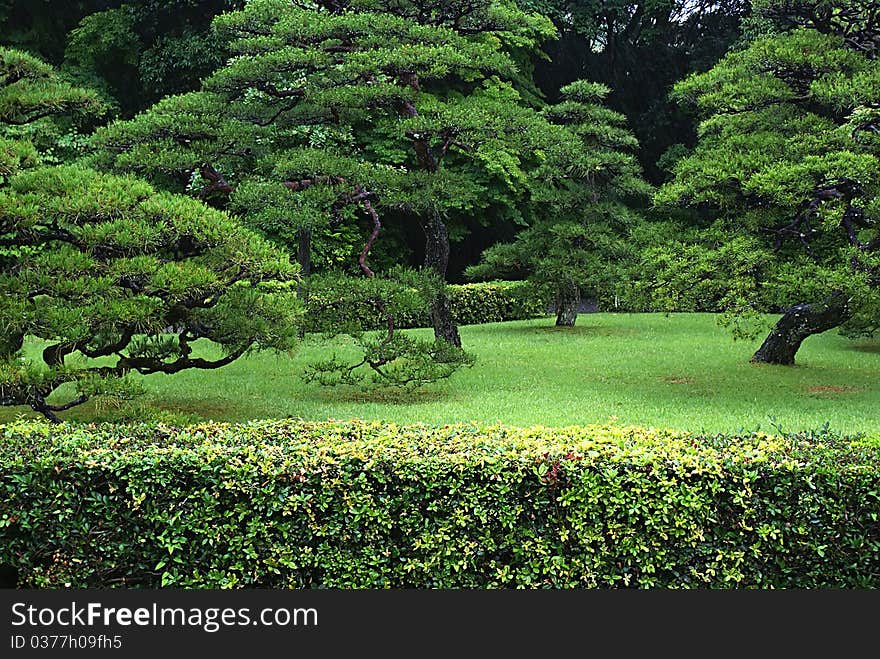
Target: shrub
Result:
[[293, 504], [472, 304], [496, 302]]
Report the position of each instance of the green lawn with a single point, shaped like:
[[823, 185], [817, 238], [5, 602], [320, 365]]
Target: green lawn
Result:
[[677, 371]]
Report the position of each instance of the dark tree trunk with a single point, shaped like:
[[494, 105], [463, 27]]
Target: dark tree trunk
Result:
[[377, 226], [304, 258], [437, 259], [436, 235], [444, 326], [39, 405], [798, 323], [568, 300], [304, 252]]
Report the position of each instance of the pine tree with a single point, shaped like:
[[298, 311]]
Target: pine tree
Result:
[[787, 159], [32, 93], [97, 265], [408, 109], [100, 266], [580, 220]]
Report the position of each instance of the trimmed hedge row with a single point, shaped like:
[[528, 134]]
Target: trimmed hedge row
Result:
[[292, 504], [472, 304], [495, 302]]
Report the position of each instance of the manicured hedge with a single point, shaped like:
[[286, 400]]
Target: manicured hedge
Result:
[[472, 304], [495, 302], [360, 504]]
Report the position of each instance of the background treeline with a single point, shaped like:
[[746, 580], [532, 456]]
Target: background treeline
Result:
[[135, 53]]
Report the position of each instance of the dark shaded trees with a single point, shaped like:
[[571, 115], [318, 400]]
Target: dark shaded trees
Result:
[[577, 238], [639, 49]]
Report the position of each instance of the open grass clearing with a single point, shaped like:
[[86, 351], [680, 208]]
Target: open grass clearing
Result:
[[663, 370]]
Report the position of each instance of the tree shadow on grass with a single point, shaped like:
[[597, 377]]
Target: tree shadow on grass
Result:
[[191, 411], [383, 396], [872, 347], [577, 330], [831, 391]]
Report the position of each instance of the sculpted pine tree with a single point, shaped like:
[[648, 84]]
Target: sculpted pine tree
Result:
[[101, 266], [787, 158], [580, 222], [406, 108], [31, 93], [96, 265]]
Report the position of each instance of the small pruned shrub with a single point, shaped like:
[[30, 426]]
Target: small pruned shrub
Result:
[[294, 504], [496, 302]]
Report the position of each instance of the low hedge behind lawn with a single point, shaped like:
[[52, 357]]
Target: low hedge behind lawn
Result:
[[292, 504], [471, 304], [494, 302]]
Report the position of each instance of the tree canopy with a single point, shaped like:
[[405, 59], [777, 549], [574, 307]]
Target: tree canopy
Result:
[[132, 51], [406, 109], [96, 265], [32, 94]]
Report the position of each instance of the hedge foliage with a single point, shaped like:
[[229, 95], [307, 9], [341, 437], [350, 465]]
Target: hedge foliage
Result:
[[293, 504], [472, 304]]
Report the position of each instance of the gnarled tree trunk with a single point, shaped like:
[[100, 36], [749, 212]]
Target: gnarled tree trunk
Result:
[[304, 258], [568, 299], [437, 259], [436, 235], [798, 323]]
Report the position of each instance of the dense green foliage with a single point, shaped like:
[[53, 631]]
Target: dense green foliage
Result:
[[639, 49], [315, 95], [133, 51], [104, 266], [31, 89], [787, 160], [372, 505], [578, 234], [393, 111], [303, 173], [33, 100]]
